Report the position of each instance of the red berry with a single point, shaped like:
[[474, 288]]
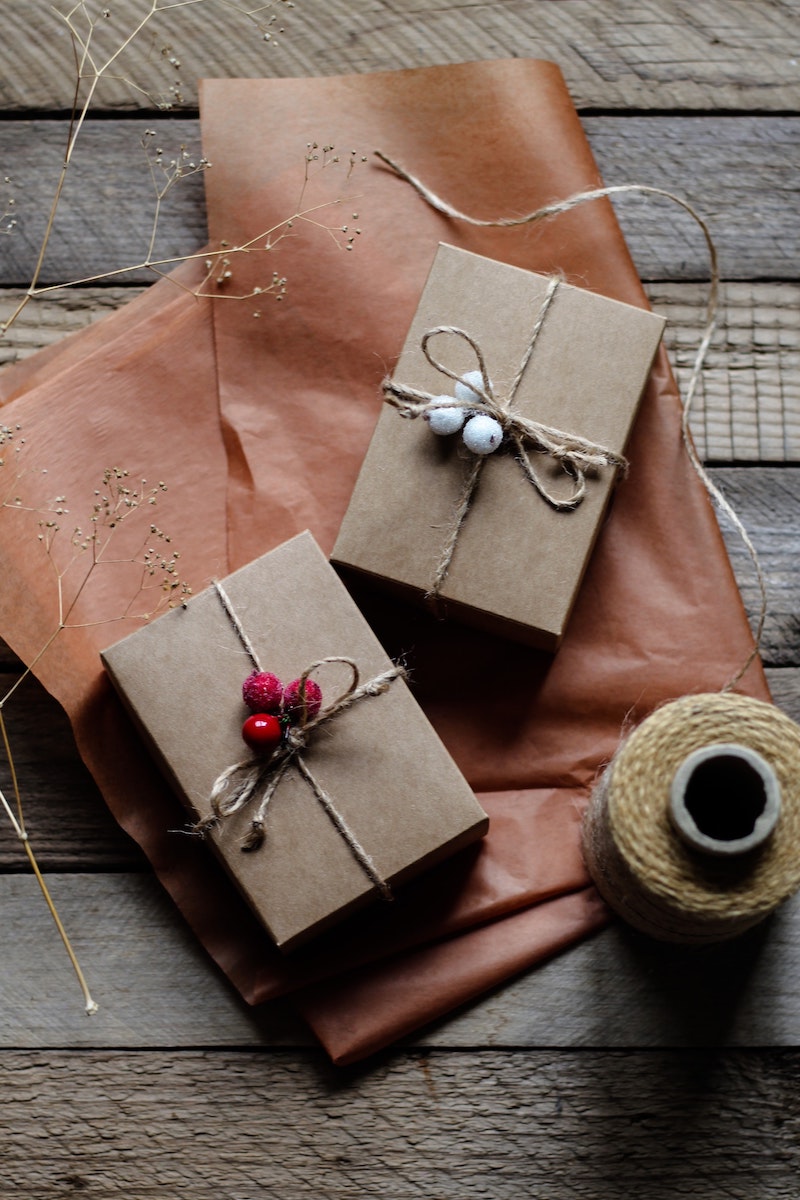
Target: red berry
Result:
[[262, 692], [293, 700], [262, 731]]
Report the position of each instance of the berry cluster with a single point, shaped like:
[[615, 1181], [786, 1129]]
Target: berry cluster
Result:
[[482, 434], [274, 707]]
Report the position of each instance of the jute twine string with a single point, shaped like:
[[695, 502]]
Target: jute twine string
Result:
[[253, 777], [640, 865], [576, 455], [562, 206]]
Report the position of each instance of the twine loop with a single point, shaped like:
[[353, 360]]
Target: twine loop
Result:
[[257, 778]]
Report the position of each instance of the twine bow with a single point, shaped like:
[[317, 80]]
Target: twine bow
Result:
[[576, 455], [237, 785]]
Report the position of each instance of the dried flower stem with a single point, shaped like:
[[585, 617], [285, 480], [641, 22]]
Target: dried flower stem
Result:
[[18, 823], [115, 501], [91, 66]]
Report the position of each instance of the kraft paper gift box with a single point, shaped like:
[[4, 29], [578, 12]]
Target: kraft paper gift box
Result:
[[380, 762], [518, 560]]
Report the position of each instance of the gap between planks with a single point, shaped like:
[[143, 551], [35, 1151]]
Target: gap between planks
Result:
[[660, 54], [747, 407], [449, 1126], [741, 171]]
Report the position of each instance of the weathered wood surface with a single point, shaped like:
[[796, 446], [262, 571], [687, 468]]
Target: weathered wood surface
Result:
[[767, 500], [50, 318], [137, 1107], [741, 173], [661, 54], [616, 989], [152, 980], [456, 1126], [747, 407], [748, 403], [69, 824]]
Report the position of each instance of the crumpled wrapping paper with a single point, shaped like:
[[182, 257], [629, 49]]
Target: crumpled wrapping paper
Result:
[[259, 425]]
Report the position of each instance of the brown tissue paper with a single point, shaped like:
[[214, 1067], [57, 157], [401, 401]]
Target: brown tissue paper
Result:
[[518, 561], [380, 762], [260, 427]]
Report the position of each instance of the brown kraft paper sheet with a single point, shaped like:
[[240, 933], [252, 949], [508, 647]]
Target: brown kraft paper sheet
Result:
[[261, 434]]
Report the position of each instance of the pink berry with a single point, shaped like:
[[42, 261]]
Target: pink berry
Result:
[[262, 692], [293, 700], [262, 731]]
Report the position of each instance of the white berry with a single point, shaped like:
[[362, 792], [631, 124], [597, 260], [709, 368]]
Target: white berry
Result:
[[444, 421], [482, 434], [465, 391]]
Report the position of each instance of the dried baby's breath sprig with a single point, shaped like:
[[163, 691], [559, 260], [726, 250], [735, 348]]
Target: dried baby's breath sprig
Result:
[[219, 282], [75, 559], [101, 36], [11, 444], [165, 173], [8, 216], [89, 550], [325, 157]]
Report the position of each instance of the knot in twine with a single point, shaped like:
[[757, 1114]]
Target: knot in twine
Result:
[[639, 862], [256, 777], [577, 456]]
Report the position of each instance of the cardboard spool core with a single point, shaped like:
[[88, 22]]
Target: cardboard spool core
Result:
[[725, 800]]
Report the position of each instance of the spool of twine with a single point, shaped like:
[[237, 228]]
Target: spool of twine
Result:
[[693, 832]]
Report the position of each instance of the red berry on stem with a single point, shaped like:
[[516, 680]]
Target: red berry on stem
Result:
[[262, 731], [262, 692], [293, 700]]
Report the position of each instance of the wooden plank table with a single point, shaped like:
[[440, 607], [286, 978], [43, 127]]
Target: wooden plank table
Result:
[[621, 1068]]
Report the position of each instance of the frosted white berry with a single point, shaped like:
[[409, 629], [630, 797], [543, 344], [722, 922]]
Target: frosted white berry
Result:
[[464, 392], [482, 434], [444, 421]]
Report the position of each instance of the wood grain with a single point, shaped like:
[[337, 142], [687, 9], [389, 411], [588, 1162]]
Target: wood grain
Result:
[[175, 1088], [622, 989], [748, 403], [741, 172], [456, 1126], [150, 976], [767, 500], [68, 822], [662, 54]]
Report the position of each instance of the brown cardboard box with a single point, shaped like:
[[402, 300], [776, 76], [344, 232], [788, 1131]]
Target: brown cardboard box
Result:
[[518, 562], [380, 762]]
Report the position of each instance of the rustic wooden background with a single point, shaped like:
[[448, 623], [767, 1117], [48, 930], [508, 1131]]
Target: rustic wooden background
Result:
[[620, 1069]]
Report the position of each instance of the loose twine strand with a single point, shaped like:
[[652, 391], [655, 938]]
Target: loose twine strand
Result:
[[562, 206], [238, 784], [576, 455]]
